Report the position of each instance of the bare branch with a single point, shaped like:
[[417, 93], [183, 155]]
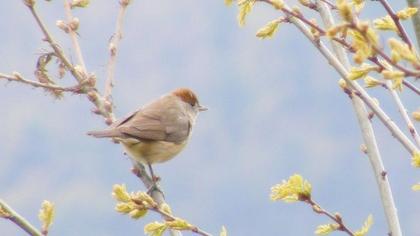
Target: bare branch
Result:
[[113, 49], [336, 218], [73, 36], [412, 87], [404, 113], [16, 77], [8, 213]]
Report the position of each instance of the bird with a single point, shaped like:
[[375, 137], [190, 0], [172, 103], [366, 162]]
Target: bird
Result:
[[158, 131]]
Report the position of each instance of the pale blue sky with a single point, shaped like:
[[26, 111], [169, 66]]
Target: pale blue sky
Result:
[[275, 110]]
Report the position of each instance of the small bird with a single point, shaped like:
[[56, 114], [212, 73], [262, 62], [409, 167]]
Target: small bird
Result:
[[158, 131]]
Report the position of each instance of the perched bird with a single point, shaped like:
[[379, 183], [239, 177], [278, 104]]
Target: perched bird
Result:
[[158, 131]]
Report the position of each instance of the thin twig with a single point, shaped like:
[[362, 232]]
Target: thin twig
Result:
[[368, 137], [401, 30], [403, 112], [337, 219], [73, 36], [415, 19], [407, 84], [87, 83], [412, 87], [8, 213], [18, 78], [59, 53], [113, 49]]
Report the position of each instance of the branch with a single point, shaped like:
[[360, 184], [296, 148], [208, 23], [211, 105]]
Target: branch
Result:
[[87, 83], [16, 77], [155, 192], [403, 112], [415, 19], [397, 22], [59, 53], [368, 137], [411, 86], [322, 32], [359, 91], [113, 49], [73, 36], [8, 213], [336, 218]]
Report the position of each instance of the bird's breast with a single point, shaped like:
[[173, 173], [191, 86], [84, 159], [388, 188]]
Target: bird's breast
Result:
[[153, 151]]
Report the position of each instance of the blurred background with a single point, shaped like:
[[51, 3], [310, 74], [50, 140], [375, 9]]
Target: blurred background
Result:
[[275, 109]]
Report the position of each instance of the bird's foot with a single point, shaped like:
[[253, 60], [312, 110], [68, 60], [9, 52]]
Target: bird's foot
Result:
[[154, 187]]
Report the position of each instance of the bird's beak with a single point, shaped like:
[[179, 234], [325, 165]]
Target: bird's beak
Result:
[[202, 108]]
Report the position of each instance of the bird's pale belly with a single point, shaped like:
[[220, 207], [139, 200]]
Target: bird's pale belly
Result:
[[153, 151]]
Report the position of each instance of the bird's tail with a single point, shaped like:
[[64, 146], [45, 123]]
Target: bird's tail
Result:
[[104, 133]]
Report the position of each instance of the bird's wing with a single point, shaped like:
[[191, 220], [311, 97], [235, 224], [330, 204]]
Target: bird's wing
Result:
[[149, 124]]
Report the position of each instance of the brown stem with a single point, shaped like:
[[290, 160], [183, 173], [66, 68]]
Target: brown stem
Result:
[[402, 33], [338, 220], [412, 87]]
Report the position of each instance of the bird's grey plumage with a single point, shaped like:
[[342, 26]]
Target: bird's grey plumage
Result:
[[148, 125]]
